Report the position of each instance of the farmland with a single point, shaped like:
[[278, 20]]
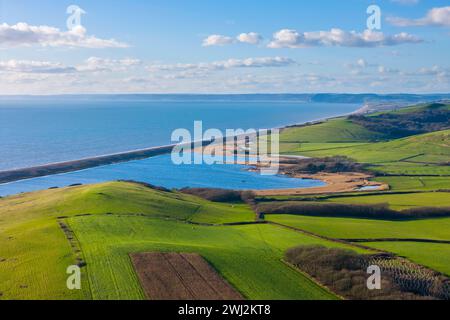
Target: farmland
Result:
[[112, 220], [420, 154], [433, 255], [248, 257], [414, 166], [417, 155], [108, 225], [180, 276]]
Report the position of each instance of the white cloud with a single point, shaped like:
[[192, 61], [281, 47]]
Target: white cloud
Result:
[[217, 40], [226, 64], [23, 34], [437, 71], [386, 70], [288, 38], [361, 63], [221, 40], [95, 64], [434, 17], [250, 38], [26, 66]]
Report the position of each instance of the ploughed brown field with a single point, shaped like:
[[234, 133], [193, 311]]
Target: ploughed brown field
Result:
[[180, 276]]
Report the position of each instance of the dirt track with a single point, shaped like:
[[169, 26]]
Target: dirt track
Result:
[[180, 276]]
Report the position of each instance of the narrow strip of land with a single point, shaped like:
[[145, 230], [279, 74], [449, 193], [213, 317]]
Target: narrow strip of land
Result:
[[81, 164]]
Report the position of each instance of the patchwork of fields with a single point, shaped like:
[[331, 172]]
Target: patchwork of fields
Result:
[[422, 154], [110, 221], [415, 167]]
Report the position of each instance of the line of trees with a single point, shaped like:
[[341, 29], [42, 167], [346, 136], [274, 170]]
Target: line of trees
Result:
[[369, 211]]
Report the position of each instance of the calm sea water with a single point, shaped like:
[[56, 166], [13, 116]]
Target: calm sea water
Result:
[[41, 131]]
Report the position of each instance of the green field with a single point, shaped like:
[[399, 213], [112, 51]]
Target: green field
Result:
[[34, 252], [338, 130], [346, 228], [111, 220], [416, 183], [433, 255], [417, 155], [418, 161], [247, 256], [400, 201], [423, 154]]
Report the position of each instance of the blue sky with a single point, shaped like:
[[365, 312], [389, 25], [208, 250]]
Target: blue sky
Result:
[[189, 46]]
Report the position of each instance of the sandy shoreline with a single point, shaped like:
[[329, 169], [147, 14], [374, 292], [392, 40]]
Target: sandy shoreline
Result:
[[335, 183]]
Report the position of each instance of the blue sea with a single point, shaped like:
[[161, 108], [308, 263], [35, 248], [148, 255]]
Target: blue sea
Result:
[[37, 131]]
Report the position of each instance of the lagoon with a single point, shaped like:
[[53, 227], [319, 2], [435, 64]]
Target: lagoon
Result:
[[160, 171]]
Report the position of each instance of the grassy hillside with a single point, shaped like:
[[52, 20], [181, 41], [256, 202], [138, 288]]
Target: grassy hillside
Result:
[[247, 256], [400, 201], [407, 122], [110, 220], [33, 247], [338, 130], [353, 228], [433, 255], [117, 197], [416, 155], [347, 228], [421, 154], [416, 183]]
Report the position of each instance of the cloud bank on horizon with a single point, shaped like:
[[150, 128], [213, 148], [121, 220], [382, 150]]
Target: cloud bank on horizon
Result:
[[258, 54]]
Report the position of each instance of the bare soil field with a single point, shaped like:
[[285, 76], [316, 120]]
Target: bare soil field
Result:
[[180, 276]]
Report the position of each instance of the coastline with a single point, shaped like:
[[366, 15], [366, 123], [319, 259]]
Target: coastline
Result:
[[335, 183], [9, 176], [13, 175]]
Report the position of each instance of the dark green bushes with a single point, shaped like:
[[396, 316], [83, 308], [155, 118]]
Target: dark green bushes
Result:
[[368, 211], [219, 195], [345, 273], [314, 165], [434, 117]]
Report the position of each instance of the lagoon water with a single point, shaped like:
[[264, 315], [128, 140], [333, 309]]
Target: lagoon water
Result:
[[160, 171], [37, 131]]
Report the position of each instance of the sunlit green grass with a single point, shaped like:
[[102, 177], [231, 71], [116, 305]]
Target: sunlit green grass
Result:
[[432, 255], [400, 201], [332, 131], [416, 183], [34, 252], [247, 256], [416, 155], [349, 228]]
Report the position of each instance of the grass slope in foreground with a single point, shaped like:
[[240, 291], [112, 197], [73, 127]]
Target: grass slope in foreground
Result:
[[34, 252], [128, 217], [249, 257]]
